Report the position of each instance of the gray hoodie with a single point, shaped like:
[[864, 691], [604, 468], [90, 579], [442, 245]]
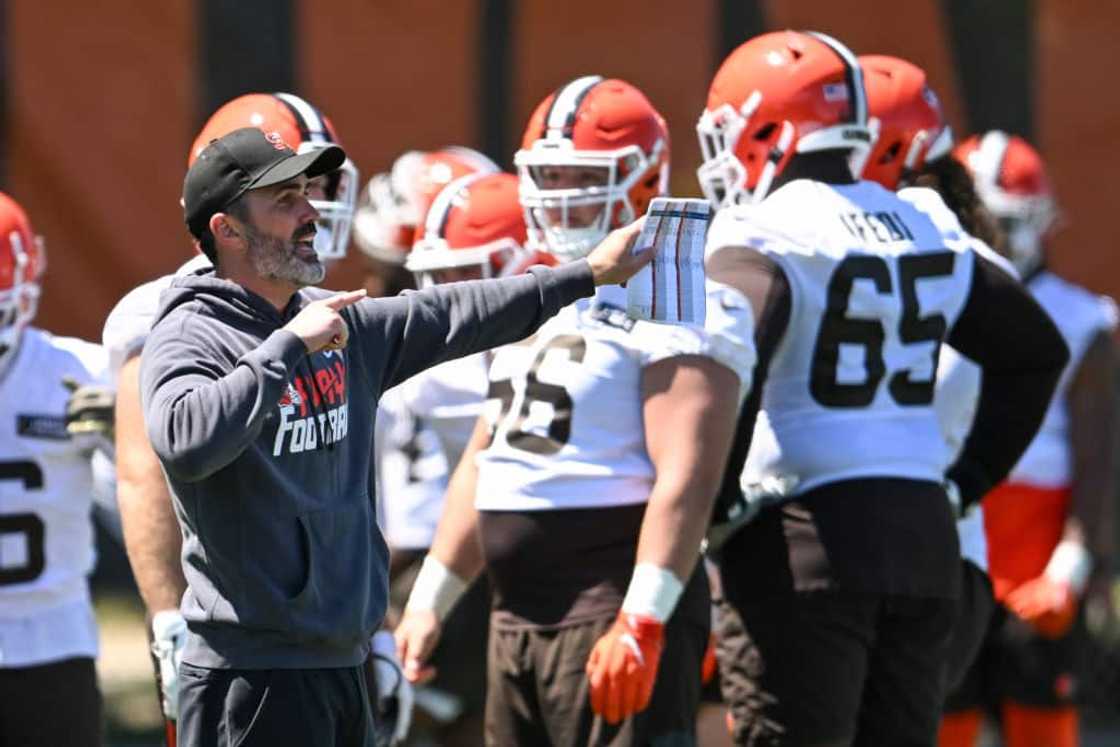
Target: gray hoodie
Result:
[[268, 451]]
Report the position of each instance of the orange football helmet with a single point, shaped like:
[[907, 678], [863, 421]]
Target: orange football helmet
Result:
[[393, 203], [778, 94], [607, 128], [303, 128], [23, 259], [476, 221], [1012, 181], [907, 125]]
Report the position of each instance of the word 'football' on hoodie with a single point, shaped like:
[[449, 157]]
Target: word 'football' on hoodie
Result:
[[268, 451]]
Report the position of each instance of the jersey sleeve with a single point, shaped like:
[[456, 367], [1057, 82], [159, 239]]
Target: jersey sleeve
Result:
[[726, 337], [128, 324], [742, 225]]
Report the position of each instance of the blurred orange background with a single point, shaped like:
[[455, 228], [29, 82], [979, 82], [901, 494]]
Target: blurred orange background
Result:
[[102, 102]]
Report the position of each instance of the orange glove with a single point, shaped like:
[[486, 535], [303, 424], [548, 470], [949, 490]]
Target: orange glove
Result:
[[709, 665], [623, 666], [1048, 606]]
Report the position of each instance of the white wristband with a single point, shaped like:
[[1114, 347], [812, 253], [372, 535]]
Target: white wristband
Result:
[[1070, 564], [653, 592], [436, 588]]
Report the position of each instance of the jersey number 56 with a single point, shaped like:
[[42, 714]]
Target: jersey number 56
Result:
[[534, 390]]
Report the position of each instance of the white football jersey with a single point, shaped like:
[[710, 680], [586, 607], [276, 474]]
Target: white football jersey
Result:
[[46, 485], [877, 279], [412, 473], [566, 404], [449, 398], [128, 324], [424, 425], [1079, 315]]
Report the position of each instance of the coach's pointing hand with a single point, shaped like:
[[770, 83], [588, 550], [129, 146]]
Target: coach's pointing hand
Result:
[[319, 324], [614, 260]]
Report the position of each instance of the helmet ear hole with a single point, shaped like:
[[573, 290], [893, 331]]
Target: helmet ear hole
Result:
[[765, 131], [891, 153]]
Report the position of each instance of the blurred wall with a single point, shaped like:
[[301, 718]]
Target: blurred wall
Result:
[[101, 103]]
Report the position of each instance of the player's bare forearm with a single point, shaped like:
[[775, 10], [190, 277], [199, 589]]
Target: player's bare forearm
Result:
[[746, 270], [1092, 414], [456, 543], [689, 408], [151, 531]]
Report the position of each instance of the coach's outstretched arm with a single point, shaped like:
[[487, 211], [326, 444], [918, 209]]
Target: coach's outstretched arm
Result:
[[201, 417], [1022, 355], [419, 329]]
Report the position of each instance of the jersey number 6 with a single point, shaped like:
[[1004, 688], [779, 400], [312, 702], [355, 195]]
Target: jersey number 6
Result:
[[837, 328], [21, 535]]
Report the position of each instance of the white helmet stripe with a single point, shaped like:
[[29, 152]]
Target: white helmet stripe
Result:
[[20, 256], [435, 222], [308, 116], [987, 161], [562, 114], [479, 161], [853, 75]]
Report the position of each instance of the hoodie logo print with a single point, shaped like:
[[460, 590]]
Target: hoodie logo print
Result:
[[313, 410]]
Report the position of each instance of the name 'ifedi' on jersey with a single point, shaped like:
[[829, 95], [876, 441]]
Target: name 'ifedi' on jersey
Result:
[[881, 226]]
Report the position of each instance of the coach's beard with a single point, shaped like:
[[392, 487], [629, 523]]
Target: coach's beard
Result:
[[294, 261]]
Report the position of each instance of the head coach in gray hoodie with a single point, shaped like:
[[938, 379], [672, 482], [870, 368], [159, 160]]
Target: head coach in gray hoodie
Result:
[[259, 395]]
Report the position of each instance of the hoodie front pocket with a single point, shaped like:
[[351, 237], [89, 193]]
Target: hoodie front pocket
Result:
[[306, 552], [334, 603]]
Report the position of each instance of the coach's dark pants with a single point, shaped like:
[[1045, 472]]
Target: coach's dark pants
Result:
[[269, 707]]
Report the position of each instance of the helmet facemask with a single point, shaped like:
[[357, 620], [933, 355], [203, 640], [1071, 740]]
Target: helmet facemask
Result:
[[1026, 221], [556, 216], [19, 303], [722, 176], [380, 228], [336, 209]]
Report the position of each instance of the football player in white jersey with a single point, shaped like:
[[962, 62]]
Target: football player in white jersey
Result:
[[48, 635], [1047, 525], [590, 478], [473, 229], [151, 531], [840, 592], [912, 145]]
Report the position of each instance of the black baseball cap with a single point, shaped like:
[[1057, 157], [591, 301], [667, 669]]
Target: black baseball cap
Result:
[[246, 159]]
